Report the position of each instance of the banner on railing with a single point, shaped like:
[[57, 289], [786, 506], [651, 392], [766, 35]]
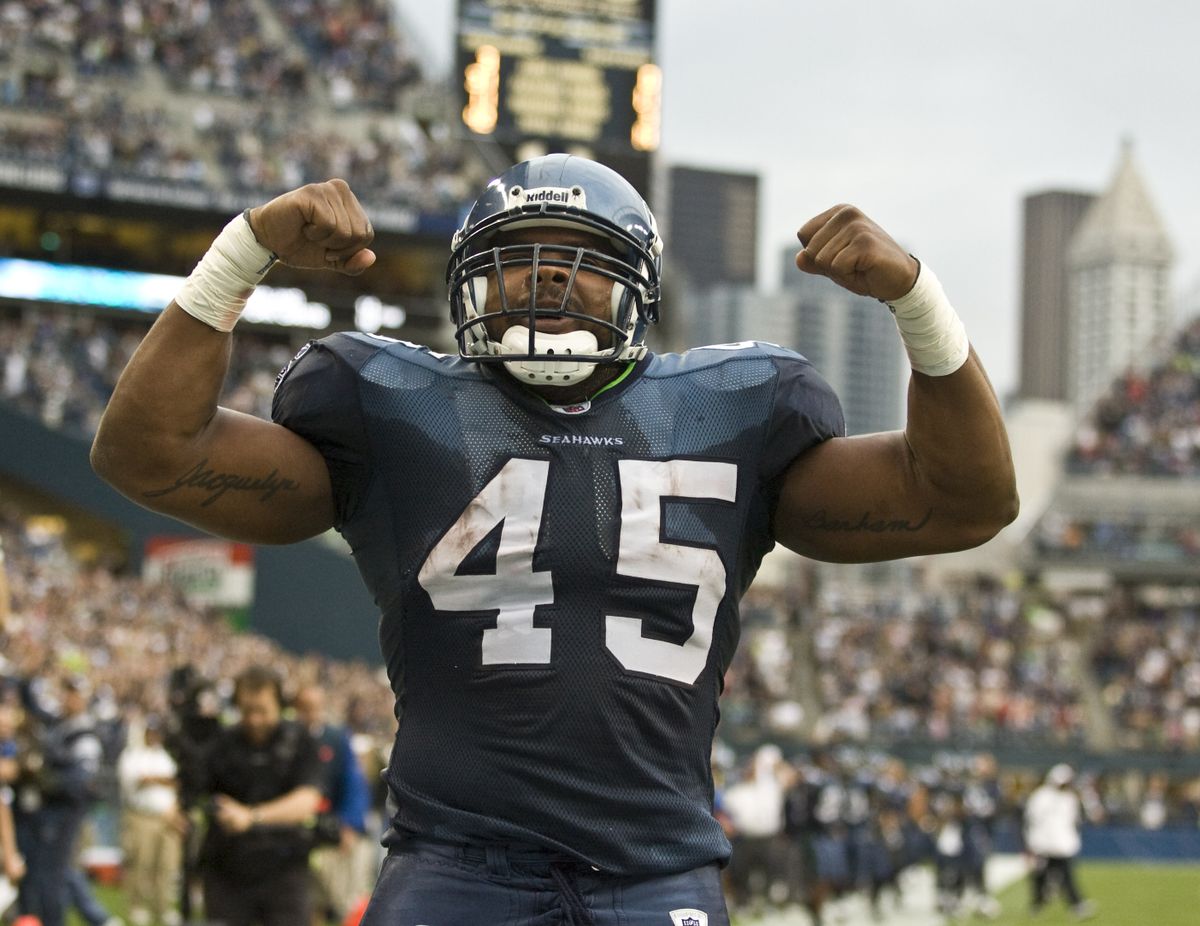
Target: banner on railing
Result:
[[207, 572]]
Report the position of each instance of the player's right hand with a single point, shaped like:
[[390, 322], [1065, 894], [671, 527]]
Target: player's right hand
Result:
[[320, 226]]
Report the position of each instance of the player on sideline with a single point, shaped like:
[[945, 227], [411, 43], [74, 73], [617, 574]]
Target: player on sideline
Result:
[[557, 524]]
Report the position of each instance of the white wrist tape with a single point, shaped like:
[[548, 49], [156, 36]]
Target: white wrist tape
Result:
[[931, 330], [217, 289]]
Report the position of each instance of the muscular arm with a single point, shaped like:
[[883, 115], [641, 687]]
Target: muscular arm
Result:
[[165, 443], [945, 483]]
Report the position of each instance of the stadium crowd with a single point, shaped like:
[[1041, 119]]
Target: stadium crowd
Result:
[[61, 366], [1147, 658], [1137, 539], [986, 664], [255, 151], [830, 826], [358, 48], [1148, 424], [979, 667], [272, 149], [987, 683], [969, 666], [127, 636], [68, 72], [218, 46], [146, 663]]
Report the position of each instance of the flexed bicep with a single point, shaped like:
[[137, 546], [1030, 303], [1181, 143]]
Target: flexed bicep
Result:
[[164, 443], [249, 479], [861, 499]]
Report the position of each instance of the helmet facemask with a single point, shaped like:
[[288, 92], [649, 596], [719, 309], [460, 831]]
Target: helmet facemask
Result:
[[540, 357]]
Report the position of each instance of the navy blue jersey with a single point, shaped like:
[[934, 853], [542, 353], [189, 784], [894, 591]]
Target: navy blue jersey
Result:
[[559, 591]]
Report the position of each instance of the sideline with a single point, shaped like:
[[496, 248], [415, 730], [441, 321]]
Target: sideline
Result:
[[918, 906]]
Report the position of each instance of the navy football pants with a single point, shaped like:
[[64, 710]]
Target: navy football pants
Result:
[[431, 884]]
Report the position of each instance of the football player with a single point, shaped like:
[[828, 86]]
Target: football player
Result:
[[557, 523]]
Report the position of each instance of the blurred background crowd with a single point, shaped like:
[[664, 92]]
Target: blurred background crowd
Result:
[[833, 812], [86, 650], [867, 727], [84, 85], [842, 685]]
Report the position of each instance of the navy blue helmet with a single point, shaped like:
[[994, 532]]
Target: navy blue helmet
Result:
[[561, 191]]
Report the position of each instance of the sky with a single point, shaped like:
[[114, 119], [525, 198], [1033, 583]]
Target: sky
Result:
[[936, 117]]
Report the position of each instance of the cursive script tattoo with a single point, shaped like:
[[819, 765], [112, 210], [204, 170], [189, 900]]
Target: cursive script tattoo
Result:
[[217, 484], [821, 521]]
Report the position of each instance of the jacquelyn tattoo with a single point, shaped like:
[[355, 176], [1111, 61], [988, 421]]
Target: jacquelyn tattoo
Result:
[[217, 484], [820, 521]]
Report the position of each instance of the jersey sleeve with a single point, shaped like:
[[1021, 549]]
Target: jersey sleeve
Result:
[[316, 395], [806, 412]]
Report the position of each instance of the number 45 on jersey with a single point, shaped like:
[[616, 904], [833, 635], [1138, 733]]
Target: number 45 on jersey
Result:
[[516, 496]]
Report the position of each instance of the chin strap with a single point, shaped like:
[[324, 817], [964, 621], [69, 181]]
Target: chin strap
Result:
[[564, 372]]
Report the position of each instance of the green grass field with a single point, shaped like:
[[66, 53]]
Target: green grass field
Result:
[[1125, 894], [111, 897]]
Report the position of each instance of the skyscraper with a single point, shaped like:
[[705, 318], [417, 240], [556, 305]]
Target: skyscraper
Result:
[[712, 228], [1050, 221], [1119, 266], [852, 341]]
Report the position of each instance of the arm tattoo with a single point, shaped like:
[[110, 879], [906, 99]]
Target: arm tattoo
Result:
[[821, 521], [217, 484]]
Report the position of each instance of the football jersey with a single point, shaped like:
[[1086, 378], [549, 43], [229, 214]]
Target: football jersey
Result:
[[558, 587]]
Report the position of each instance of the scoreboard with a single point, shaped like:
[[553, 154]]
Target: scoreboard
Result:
[[567, 73]]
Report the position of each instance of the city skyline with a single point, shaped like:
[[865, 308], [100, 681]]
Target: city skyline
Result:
[[937, 118]]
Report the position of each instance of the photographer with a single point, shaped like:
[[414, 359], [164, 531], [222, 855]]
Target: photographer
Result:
[[263, 777]]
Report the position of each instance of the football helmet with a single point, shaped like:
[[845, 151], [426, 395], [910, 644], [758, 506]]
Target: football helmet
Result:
[[558, 191]]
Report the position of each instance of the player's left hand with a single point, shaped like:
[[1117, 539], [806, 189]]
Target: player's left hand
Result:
[[843, 244]]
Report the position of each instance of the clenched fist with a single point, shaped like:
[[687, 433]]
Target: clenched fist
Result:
[[843, 244], [320, 226]]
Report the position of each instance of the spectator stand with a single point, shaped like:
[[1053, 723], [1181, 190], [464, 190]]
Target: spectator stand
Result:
[[146, 101]]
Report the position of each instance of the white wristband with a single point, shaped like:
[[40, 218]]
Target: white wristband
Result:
[[931, 330], [217, 289]]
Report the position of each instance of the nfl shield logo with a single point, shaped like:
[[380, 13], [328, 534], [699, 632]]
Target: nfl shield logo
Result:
[[577, 409], [689, 917]]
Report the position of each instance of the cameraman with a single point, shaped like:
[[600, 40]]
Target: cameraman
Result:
[[192, 727], [264, 779]]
